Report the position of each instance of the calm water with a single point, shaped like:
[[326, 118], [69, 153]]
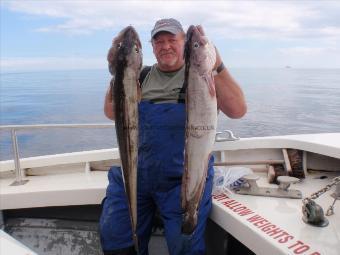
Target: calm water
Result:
[[280, 102]]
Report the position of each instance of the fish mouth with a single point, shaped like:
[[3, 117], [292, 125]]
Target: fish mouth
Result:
[[126, 50], [197, 51], [126, 44], [130, 39], [194, 36], [129, 30]]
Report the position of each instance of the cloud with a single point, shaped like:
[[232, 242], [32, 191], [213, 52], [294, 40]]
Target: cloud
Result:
[[228, 19], [244, 31]]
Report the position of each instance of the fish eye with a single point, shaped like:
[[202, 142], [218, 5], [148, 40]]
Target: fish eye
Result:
[[136, 49], [196, 44]]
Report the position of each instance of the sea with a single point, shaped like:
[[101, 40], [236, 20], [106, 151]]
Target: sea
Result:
[[280, 101]]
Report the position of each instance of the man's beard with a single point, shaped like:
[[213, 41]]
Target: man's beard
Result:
[[173, 62], [170, 63]]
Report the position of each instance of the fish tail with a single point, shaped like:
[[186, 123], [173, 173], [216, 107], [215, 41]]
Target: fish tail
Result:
[[189, 223], [135, 242]]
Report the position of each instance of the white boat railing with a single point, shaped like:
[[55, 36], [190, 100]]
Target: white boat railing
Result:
[[19, 174]]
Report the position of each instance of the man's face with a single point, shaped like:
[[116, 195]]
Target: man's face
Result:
[[169, 49]]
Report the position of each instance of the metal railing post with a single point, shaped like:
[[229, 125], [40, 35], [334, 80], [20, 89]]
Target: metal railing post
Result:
[[18, 171]]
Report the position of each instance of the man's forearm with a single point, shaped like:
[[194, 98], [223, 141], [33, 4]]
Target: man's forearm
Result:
[[230, 98], [108, 104]]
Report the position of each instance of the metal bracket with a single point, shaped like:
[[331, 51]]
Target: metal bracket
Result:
[[18, 183], [19, 173], [229, 136], [336, 194], [282, 191]]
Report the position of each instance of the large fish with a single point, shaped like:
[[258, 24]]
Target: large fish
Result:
[[125, 62], [201, 121]]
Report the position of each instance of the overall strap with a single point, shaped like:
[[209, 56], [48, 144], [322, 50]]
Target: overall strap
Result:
[[182, 92], [143, 74]]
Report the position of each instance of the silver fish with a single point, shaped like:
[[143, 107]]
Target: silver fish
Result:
[[125, 63], [201, 121]]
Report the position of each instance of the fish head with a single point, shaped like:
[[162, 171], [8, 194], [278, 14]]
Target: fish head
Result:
[[126, 50], [200, 53]]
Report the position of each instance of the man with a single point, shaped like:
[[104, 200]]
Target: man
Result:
[[160, 153]]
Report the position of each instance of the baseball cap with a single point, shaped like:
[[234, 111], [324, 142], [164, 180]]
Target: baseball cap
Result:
[[167, 25]]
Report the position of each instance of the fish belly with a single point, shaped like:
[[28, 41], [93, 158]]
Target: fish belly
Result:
[[200, 137], [128, 140]]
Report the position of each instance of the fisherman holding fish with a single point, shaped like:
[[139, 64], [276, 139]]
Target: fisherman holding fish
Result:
[[166, 128]]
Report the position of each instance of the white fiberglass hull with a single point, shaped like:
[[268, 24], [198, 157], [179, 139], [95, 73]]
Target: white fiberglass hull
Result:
[[267, 225]]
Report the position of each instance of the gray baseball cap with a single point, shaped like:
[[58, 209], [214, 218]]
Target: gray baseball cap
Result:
[[167, 25]]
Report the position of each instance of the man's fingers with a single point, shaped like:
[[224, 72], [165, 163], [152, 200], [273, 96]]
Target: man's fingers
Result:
[[203, 39], [116, 40], [200, 29]]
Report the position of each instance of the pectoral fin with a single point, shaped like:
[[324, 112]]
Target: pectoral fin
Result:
[[211, 84]]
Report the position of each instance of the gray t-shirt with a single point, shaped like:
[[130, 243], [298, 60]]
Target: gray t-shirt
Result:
[[163, 87]]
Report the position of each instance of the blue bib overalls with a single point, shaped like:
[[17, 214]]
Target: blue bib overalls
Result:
[[160, 168]]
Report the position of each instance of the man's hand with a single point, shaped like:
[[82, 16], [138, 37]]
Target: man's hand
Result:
[[116, 41], [108, 102], [111, 55], [230, 98], [204, 39]]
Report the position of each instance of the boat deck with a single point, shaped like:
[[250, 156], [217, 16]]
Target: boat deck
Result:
[[77, 188], [270, 225], [266, 225], [69, 230]]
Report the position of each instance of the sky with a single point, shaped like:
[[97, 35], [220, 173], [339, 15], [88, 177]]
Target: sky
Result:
[[61, 34]]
